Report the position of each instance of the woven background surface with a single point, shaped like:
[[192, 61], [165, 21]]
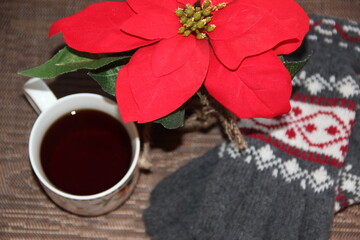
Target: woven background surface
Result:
[[25, 210]]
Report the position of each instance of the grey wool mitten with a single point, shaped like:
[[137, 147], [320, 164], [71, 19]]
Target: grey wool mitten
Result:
[[334, 71], [176, 199], [296, 168]]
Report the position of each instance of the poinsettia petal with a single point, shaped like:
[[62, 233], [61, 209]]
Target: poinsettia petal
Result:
[[128, 108], [159, 96], [287, 46], [260, 87], [291, 15], [96, 29], [264, 35], [170, 54], [156, 23], [236, 19], [144, 5], [249, 28], [169, 4], [139, 6]]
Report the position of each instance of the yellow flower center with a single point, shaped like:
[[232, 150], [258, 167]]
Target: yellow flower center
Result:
[[197, 20]]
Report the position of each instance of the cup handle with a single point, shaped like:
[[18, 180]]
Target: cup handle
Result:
[[38, 94]]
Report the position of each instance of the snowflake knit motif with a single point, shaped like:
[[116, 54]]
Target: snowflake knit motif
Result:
[[287, 169], [324, 108]]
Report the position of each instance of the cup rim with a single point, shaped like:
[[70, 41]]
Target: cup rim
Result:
[[136, 152]]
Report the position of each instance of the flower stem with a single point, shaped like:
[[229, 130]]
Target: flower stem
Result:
[[210, 110]]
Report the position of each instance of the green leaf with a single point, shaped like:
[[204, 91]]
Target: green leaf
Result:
[[106, 77], [173, 120], [294, 66], [69, 60]]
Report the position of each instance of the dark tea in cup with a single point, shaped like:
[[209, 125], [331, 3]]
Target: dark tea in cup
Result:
[[85, 152]]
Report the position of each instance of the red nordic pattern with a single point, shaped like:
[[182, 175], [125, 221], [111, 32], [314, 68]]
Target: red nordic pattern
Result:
[[317, 129], [341, 201], [342, 30]]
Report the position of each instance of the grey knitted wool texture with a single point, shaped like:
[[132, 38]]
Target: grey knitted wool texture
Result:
[[175, 201], [295, 169], [334, 71]]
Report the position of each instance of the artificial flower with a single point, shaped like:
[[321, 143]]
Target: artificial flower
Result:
[[231, 47]]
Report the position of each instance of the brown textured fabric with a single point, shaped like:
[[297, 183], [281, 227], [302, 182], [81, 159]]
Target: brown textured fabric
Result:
[[25, 211]]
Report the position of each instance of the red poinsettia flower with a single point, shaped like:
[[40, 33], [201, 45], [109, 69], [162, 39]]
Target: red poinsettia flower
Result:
[[231, 47]]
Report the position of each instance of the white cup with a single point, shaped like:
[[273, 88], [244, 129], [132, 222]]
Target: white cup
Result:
[[50, 109]]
